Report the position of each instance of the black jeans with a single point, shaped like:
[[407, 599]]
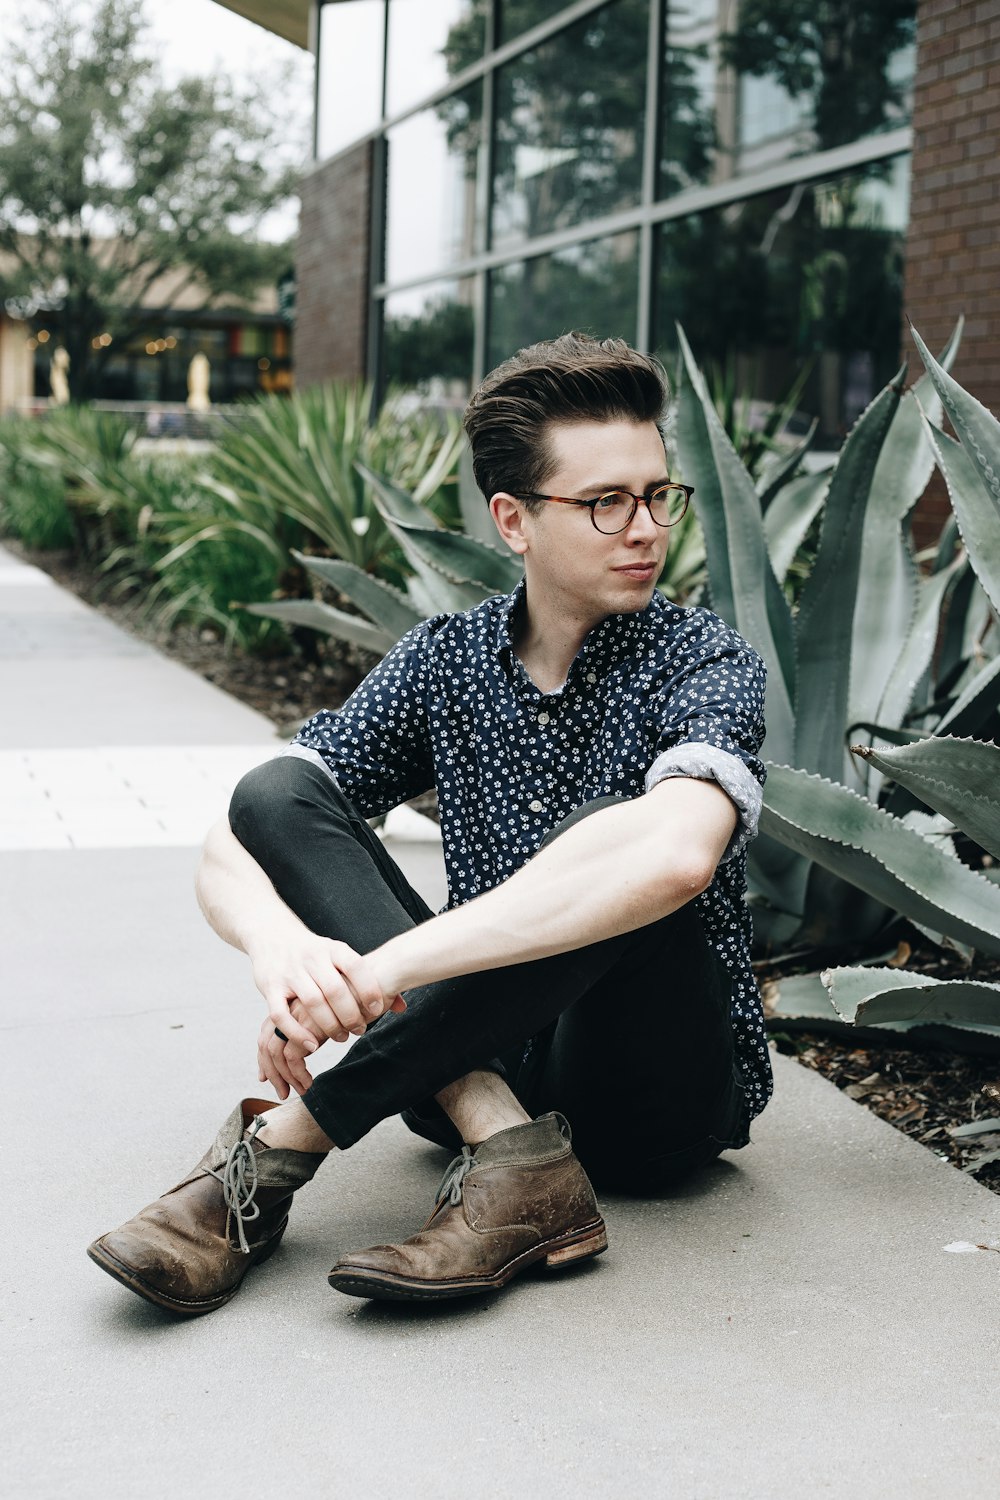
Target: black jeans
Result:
[[629, 1037]]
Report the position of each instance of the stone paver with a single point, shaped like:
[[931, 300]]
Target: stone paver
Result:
[[791, 1322]]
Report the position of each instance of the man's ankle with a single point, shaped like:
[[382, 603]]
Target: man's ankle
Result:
[[479, 1105], [291, 1127]]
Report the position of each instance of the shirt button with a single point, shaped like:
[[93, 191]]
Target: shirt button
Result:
[[536, 806], [591, 676], [543, 718]]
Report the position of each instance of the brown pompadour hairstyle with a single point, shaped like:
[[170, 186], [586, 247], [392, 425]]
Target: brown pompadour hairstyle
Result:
[[570, 379]]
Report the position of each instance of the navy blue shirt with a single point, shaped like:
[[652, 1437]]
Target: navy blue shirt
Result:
[[666, 691]]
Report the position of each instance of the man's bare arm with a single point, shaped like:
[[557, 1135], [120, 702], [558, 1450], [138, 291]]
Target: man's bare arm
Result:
[[617, 870]]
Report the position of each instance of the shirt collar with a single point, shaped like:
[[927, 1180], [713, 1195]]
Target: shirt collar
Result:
[[606, 644]]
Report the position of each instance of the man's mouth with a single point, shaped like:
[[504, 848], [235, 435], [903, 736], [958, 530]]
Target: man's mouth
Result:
[[642, 571]]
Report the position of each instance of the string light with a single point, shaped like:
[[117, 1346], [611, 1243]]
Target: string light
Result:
[[43, 335], [263, 364]]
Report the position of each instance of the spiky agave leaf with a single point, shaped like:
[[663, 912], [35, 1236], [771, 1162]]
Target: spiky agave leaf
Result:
[[957, 777], [878, 853], [825, 623], [385, 606], [874, 996]]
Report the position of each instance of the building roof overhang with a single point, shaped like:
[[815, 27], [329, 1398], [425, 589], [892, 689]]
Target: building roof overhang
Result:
[[285, 18]]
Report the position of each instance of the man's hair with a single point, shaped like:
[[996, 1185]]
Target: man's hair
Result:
[[570, 379]]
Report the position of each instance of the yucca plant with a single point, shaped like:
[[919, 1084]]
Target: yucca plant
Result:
[[842, 853], [291, 473]]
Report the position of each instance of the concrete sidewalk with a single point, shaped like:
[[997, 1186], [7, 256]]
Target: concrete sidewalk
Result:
[[791, 1321]]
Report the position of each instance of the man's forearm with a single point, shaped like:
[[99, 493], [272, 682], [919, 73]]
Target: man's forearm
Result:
[[237, 899], [620, 869]]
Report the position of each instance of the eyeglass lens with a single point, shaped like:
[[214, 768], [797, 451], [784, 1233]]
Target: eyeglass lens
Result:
[[614, 512]]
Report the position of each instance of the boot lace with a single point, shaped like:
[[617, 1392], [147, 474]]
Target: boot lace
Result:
[[239, 1184], [451, 1182]]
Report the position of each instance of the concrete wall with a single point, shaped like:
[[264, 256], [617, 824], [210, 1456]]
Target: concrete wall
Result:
[[331, 316], [953, 246]]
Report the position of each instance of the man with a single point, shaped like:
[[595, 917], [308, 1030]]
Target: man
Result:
[[595, 752]]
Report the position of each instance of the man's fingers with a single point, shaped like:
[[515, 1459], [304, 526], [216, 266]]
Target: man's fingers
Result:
[[334, 992], [281, 1019]]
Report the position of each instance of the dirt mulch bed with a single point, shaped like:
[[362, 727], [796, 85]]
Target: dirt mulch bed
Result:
[[928, 1094]]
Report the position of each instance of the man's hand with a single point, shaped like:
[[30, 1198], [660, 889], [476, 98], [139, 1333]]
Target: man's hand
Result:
[[316, 990]]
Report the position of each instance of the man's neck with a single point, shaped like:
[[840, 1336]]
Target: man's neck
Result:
[[547, 644]]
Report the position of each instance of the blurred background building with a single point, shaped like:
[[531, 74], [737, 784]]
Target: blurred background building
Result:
[[786, 181]]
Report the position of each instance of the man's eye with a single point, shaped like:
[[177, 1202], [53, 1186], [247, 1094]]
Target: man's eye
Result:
[[611, 502]]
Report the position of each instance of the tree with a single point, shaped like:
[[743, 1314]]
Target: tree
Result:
[[110, 179]]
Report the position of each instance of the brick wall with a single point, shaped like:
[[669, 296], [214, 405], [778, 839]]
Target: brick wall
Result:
[[331, 314], [953, 245]]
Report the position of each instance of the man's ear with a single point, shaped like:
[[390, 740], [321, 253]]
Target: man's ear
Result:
[[508, 518]]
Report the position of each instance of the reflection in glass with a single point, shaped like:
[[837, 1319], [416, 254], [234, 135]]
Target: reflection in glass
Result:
[[517, 16], [427, 339], [349, 75], [429, 41], [591, 287], [804, 276], [570, 125], [692, 94], [834, 74], [431, 196]]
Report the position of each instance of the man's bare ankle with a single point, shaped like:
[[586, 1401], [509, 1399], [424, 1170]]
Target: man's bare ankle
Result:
[[291, 1127], [479, 1105]]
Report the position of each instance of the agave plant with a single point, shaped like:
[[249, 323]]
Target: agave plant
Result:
[[449, 571], [958, 779], [843, 852]]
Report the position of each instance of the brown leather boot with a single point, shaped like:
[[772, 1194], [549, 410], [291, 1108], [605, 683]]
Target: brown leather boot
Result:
[[190, 1249], [520, 1197]]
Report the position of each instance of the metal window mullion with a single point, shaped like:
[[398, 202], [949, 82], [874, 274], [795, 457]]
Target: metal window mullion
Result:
[[650, 170], [480, 334], [376, 269]]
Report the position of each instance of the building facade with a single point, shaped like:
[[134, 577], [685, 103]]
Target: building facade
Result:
[[785, 184]]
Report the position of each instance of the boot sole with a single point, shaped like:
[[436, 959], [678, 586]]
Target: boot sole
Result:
[[190, 1309], [564, 1250]]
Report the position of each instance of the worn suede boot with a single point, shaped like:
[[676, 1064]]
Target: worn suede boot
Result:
[[520, 1197], [190, 1249]]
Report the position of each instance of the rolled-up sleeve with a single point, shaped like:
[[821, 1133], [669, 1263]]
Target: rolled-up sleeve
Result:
[[377, 746], [711, 728]]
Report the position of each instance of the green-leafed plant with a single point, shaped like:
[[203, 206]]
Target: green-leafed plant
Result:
[[33, 504], [842, 852], [447, 569], [292, 474]]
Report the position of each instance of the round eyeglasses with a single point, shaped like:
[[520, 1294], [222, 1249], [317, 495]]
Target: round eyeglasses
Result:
[[614, 511]]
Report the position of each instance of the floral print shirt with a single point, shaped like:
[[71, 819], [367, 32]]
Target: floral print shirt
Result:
[[666, 691]]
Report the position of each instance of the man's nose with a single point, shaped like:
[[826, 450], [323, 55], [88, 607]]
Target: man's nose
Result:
[[642, 527]]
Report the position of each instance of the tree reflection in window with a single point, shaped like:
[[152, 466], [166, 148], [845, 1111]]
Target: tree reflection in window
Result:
[[851, 64], [803, 276], [591, 287]]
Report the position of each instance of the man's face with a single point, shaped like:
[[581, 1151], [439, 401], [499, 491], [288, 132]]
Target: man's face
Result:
[[567, 560]]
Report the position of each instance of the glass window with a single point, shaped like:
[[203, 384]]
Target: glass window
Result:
[[812, 78], [694, 104], [429, 42], [431, 206], [591, 287], [570, 125], [349, 74], [808, 276], [427, 337], [517, 16]]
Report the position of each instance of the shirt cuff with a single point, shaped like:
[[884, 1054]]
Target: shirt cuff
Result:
[[705, 762]]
